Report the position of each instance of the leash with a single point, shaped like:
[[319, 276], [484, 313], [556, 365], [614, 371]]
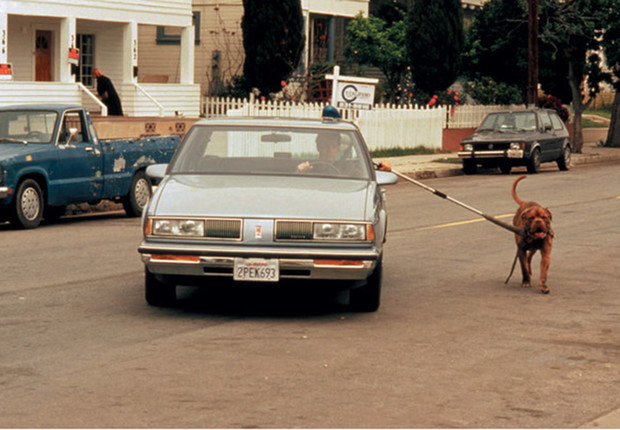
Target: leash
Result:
[[512, 228]]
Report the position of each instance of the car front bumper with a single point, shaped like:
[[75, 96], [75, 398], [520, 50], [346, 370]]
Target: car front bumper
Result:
[[513, 154], [294, 263]]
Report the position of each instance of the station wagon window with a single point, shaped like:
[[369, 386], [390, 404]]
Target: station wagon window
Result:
[[544, 119], [556, 121]]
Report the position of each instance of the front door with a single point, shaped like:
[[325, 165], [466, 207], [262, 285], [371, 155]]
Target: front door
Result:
[[43, 56]]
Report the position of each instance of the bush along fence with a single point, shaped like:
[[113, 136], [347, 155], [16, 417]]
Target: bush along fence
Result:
[[385, 126]]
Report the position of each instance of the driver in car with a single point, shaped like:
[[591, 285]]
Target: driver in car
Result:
[[328, 145]]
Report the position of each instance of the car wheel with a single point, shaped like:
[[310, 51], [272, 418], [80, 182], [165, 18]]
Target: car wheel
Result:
[[505, 168], [368, 297], [533, 164], [564, 160], [158, 293], [469, 167], [28, 205], [139, 195]]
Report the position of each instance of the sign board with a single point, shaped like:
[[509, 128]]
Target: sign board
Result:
[[352, 92], [354, 96], [74, 56], [6, 71]]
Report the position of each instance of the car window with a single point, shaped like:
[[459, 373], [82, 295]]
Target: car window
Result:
[[277, 150], [545, 120], [28, 126], [509, 122], [556, 121]]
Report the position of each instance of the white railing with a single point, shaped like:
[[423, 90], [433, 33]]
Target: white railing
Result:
[[104, 108], [160, 107], [385, 126]]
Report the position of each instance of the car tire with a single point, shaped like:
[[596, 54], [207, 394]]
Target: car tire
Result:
[[469, 167], [139, 195], [156, 292], [533, 163], [368, 297], [564, 160], [28, 205]]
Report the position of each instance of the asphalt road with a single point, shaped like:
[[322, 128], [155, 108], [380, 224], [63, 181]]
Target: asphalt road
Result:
[[451, 346]]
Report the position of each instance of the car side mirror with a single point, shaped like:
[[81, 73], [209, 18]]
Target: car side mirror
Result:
[[386, 178], [156, 171], [72, 137]]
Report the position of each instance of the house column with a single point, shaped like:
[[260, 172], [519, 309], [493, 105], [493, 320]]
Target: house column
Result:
[[67, 40], [130, 52], [4, 37], [331, 32], [187, 54]]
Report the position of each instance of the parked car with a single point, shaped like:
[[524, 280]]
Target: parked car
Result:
[[50, 157], [254, 200], [517, 138]]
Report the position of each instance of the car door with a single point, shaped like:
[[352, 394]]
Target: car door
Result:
[[79, 175], [548, 140]]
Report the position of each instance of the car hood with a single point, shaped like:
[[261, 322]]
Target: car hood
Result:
[[262, 197], [12, 150], [494, 136]]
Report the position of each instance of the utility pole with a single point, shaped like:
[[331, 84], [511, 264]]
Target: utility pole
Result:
[[532, 62]]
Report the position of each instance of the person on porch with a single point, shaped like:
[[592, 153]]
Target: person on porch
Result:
[[108, 94]]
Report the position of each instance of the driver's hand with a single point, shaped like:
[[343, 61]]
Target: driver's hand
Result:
[[304, 167]]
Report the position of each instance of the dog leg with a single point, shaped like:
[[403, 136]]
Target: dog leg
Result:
[[526, 270], [545, 262]]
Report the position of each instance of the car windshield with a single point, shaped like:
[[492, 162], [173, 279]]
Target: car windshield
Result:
[[272, 150], [510, 122], [27, 126]]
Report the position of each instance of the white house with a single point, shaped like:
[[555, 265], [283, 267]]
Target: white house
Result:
[[38, 39]]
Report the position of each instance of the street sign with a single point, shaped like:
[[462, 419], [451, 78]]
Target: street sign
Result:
[[6, 71], [74, 56]]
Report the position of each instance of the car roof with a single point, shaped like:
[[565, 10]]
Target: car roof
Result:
[[245, 121], [40, 106], [520, 110]]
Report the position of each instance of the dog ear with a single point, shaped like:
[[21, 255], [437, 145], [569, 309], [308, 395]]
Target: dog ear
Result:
[[549, 214]]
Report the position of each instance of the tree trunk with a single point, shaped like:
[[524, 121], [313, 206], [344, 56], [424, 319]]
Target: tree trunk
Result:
[[578, 108], [613, 134]]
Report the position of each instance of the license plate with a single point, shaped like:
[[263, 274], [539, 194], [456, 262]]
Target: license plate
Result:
[[256, 269], [515, 153]]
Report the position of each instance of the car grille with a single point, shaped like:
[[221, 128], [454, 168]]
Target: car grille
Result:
[[293, 230], [491, 146], [223, 229]]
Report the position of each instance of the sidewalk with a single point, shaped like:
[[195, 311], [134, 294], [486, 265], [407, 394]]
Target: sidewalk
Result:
[[443, 165]]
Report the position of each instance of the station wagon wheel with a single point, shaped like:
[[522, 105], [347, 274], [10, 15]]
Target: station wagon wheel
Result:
[[28, 205], [368, 297], [139, 195], [564, 160], [533, 164], [158, 293]]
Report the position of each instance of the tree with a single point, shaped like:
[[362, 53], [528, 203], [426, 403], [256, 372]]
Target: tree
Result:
[[435, 41], [611, 48], [273, 41], [372, 41], [574, 29]]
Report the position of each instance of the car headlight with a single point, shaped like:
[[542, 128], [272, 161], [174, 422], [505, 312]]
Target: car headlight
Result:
[[515, 145], [178, 227], [338, 231], [468, 147]]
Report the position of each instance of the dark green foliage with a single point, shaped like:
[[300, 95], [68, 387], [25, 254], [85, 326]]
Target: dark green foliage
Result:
[[435, 42], [273, 42]]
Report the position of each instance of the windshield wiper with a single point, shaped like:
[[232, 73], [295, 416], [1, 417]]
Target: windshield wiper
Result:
[[9, 139]]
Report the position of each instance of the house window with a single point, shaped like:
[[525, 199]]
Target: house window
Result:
[[172, 35], [86, 45]]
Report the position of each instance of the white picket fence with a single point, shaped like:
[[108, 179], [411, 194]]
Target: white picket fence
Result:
[[385, 126]]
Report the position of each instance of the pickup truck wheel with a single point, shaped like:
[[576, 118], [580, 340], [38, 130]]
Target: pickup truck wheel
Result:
[[533, 164], [368, 297], [28, 205], [564, 160], [158, 293], [139, 195]]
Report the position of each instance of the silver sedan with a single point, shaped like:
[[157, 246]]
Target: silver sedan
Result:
[[262, 200]]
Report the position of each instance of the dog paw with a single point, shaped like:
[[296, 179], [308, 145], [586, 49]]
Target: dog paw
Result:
[[544, 289], [526, 285]]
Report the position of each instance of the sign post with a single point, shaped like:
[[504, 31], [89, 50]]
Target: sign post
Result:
[[352, 92]]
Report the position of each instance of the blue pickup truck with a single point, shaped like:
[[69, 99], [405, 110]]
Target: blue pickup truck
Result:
[[50, 157]]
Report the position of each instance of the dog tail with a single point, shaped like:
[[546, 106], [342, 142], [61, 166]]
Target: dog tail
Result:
[[514, 189]]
